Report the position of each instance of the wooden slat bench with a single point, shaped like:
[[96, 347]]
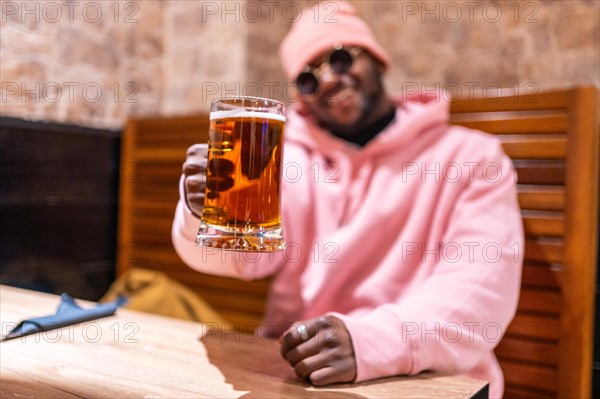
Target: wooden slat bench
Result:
[[553, 141], [153, 151]]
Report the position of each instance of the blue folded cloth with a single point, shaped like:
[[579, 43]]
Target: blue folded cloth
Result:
[[68, 313]]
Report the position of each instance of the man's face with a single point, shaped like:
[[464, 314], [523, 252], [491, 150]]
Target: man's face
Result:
[[343, 102]]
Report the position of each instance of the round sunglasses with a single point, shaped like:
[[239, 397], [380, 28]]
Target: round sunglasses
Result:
[[340, 61]]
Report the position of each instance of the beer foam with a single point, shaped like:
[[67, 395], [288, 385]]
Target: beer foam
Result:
[[242, 113]]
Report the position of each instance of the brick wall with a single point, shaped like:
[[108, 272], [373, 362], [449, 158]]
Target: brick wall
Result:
[[95, 63]]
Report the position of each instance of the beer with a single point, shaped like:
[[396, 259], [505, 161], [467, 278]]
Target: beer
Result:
[[243, 177]]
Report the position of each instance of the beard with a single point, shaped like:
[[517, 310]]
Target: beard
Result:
[[373, 98]]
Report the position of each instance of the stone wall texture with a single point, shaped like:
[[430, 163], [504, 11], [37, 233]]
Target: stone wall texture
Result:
[[97, 63]]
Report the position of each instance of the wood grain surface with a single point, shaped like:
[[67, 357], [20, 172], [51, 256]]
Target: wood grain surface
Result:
[[138, 355]]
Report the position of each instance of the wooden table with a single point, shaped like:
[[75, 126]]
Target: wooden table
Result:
[[135, 354]]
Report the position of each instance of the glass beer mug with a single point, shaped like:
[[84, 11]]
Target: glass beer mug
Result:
[[243, 176]]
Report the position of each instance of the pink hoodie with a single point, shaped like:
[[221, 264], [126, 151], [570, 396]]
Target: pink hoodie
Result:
[[415, 242]]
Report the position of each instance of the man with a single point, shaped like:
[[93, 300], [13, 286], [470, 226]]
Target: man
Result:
[[407, 230]]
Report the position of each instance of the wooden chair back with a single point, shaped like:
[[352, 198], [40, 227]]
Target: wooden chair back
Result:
[[153, 151], [553, 141]]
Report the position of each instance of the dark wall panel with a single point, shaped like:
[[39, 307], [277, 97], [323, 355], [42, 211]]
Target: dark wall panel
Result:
[[58, 207]]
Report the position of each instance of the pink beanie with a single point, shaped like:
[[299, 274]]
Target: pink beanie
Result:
[[319, 29]]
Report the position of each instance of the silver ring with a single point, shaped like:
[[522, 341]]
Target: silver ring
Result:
[[301, 329]]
